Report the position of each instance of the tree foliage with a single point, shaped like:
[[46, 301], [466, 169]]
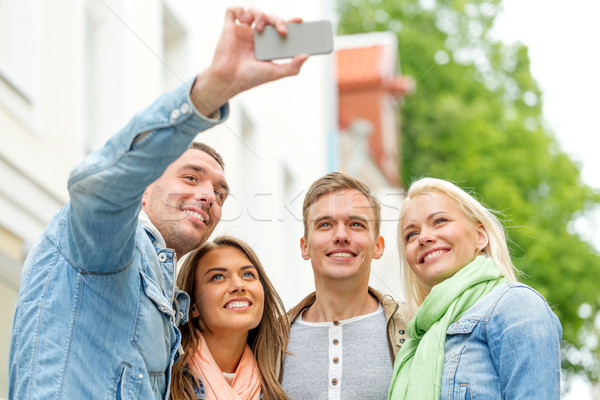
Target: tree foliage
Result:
[[475, 118]]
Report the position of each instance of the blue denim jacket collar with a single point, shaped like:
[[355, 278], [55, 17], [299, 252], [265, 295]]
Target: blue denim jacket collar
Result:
[[153, 232], [181, 300]]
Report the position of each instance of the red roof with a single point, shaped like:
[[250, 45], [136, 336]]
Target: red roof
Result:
[[369, 67], [359, 67], [368, 85]]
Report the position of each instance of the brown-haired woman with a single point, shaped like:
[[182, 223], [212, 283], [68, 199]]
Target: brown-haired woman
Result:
[[237, 332]]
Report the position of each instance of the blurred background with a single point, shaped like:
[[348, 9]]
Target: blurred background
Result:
[[500, 97]]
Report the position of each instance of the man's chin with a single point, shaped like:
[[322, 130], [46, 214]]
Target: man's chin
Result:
[[185, 246], [186, 240]]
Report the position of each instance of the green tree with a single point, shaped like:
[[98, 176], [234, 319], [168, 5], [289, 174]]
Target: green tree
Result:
[[475, 118]]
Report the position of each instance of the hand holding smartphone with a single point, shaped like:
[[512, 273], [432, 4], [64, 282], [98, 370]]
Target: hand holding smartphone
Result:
[[315, 37]]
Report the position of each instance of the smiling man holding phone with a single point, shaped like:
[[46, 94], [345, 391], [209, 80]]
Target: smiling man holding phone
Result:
[[98, 309]]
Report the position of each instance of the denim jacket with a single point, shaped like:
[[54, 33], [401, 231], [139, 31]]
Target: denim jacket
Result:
[[507, 346], [98, 310]]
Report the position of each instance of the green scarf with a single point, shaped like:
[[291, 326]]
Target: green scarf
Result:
[[419, 364]]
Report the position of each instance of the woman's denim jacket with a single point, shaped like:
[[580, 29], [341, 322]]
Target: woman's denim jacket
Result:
[[97, 310], [507, 346]]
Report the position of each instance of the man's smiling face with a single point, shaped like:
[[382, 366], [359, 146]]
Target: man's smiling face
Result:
[[185, 203], [341, 238]]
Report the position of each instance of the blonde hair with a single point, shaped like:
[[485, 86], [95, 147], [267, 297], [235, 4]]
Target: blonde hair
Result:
[[496, 247], [267, 341]]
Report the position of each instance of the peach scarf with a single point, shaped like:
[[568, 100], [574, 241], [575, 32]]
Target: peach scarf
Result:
[[246, 384]]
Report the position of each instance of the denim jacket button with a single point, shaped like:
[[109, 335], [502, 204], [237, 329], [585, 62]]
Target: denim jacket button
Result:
[[185, 108], [162, 257], [175, 114]]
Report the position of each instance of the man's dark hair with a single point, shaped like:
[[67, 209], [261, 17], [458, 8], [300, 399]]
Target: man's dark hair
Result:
[[210, 151]]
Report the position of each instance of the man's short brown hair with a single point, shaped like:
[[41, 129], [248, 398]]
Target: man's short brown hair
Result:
[[210, 151], [334, 182]]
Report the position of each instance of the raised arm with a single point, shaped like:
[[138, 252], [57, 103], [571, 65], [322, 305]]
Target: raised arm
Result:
[[107, 187], [234, 68]]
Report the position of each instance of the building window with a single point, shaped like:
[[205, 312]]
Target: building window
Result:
[[104, 76], [17, 45], [175, 57]]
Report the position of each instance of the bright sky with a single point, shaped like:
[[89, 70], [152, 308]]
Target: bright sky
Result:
[[563, 38]]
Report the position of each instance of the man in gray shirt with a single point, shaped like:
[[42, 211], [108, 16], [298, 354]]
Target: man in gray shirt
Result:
[[345, 335]]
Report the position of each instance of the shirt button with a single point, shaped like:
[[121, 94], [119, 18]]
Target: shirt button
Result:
[[336, 323], [141, 376], [175, 114], [401, 331], [162, 257], [185, 108], [335, 341], [336, 360], [334, 382]]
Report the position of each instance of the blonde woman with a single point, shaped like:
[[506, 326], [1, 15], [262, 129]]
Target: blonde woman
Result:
[[237, 332], [477, 333]]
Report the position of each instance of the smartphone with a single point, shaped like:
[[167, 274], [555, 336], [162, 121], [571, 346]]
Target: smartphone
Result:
[[315, 37]]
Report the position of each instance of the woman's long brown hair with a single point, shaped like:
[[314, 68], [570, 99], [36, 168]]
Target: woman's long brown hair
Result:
[[268, 340]]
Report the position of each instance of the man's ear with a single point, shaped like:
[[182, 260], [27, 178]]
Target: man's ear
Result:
[[145, 197], [379, 248], [304, 248]]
